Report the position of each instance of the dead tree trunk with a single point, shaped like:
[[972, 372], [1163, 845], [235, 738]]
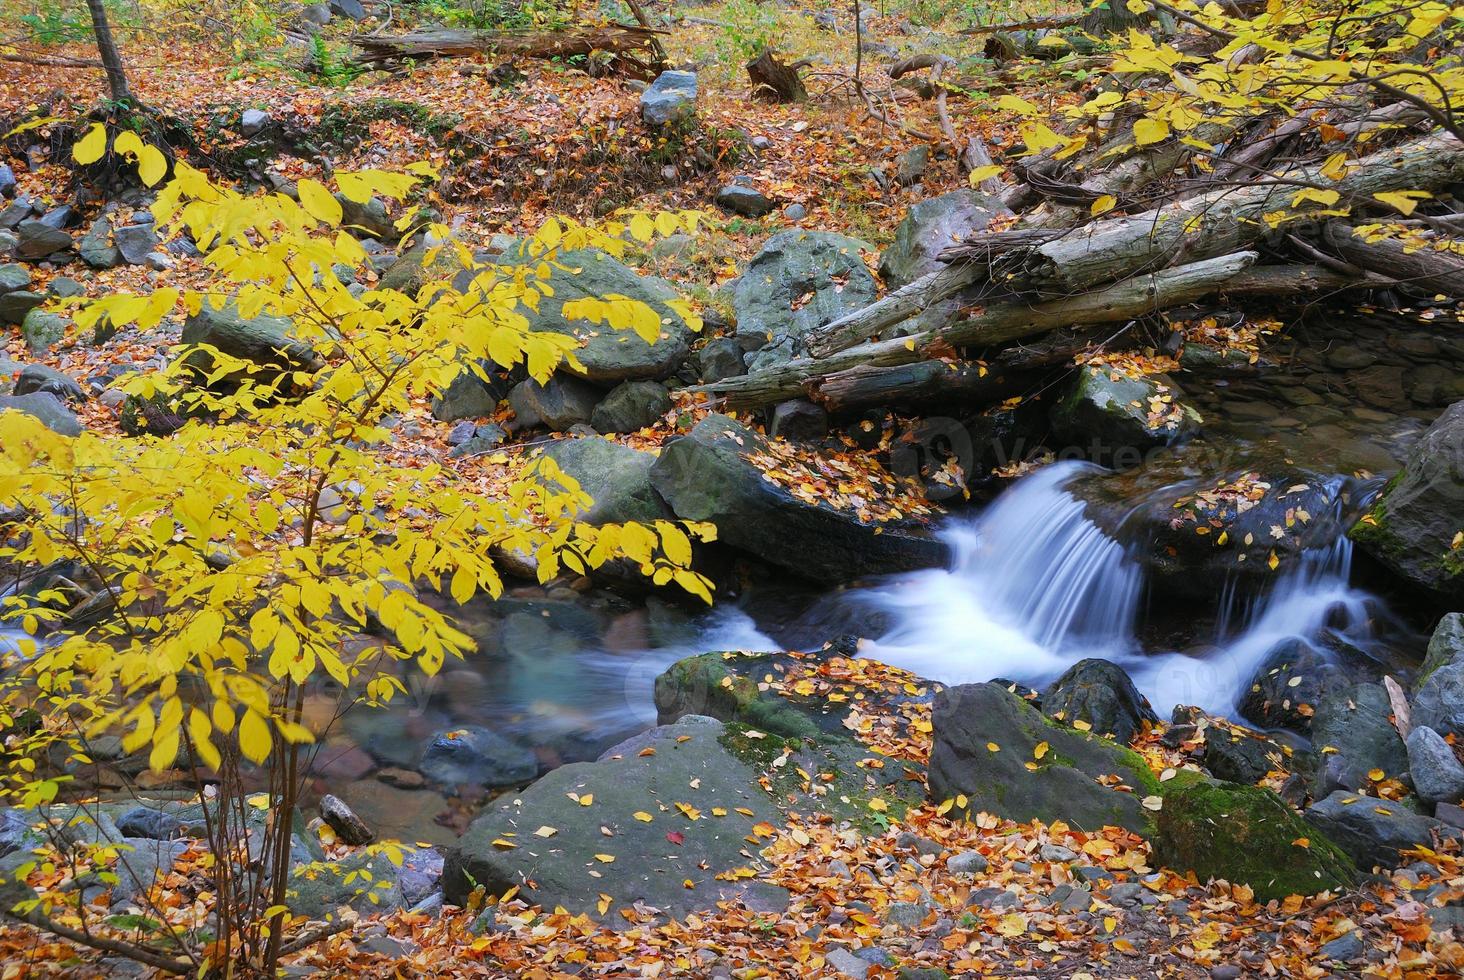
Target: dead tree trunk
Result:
[[107, 48], [775, 81], [1424, 271]]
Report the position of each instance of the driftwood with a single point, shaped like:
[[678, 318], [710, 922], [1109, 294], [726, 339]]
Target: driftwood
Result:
[[1425, 271], [1000, 323], [624, 41], [775, 81]]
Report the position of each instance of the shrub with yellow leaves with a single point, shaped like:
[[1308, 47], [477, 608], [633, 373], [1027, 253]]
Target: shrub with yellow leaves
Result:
[[271, 542]]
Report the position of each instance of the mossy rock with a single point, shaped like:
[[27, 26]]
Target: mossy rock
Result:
[[1246, 834]]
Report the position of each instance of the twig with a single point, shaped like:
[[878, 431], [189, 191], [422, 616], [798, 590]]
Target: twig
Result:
[[156, 960]]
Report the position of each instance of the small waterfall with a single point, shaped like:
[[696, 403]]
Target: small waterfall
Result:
[[1035, 586]]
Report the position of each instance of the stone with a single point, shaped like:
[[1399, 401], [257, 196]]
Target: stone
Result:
[[617, 478], [139, 862], [96, 247], [1344, 948], [1101, 694], [266, 340], [252, 122], [691, 766], [1437, 775], [928, 227], [1414, 519], [559, 403], [1445, 646], [51, 411], [795, 212], [798, 281], [746, 201], [707, 476], [670, 98], [1057, 854], [970, 718], [906, 915], [1110, 422], [9, 242], [1240, 758], [7, 181], [315, 14], [395, 813], [16, 305], [349, 828], [38, 240], [478, 756], [319, 888], [150, 823], [369, 218], [42, 377], [350, 9], [64, 287], [722, 357], [1438, 700], [610, 356], [14, 277], [1246, 834], [912, 165], [799, 420], [468, 396], [1291, 681], [1353, 735], [135, 241], [1373, 831], [485, 438], [846, 964], [630, 406], [17, 211], [967, 863]]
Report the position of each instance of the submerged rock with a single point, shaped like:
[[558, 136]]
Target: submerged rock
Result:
[[1246, 834], [707, 476], [477, 756], [1411, 527]]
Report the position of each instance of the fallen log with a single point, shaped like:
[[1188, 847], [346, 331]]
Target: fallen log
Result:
[[1217, 222], [1421, 272], [618, 39], [927, 383], [998, 324]]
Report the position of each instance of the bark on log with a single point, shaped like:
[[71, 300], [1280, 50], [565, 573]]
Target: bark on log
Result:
[[615, 38], [775, 81], [1424, 272], [1217, 222], [942, 383], [998, 324]]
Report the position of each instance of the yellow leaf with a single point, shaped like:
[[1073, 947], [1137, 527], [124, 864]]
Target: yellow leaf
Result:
[[318, 202], [1148, 131], [642, 816], [1013, 104], [89, 148], [992, 747], [152, 166], [1082, 725], [254, 738], [605, 858], [127, 144], [1104, 204], [1376, 775], [1153, 803], [984, 173], [507, 845], [1403, 201], [546, 831], [1012, 924], [1040, 750], [878, 805]]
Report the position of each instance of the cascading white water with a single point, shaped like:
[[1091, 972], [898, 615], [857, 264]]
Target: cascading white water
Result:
[[1035, 586]]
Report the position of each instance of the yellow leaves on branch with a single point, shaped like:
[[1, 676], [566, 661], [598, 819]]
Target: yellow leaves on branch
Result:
[[248, 555], [152, 165]]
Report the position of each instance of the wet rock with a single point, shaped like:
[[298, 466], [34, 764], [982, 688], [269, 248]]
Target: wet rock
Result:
[[473, 755], [14, 277], [1240, 758], [906, 915], [1445, 646], [800, 280], [1373, 831], [483, 438], [320, 888], [630, 406], [1438, 702], [1289, 684], [408, 814], [7, 181], [617, 478], [1353, 735], [912, 165], [42, 377], [799, 420], [746, 201], [1101, 694], [38, 240], [1114, 421], [348, 827], [671, 98], [1413, 521], [970, 719], [930, 226], [1246, 834], [691, 766], [1344, 948], [846, 964], [706, 476], [1437, 774], [51, 411], [559, 403]]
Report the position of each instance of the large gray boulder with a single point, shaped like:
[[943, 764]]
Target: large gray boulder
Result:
[[670, 98], [984, 737], [707, 476], [630, 406], [608, 355], [1373, 831], [548, 842], [1410, 528], [1438, 701], [1292, 680], [928, 227], [97, 249], [1115, 418], [39, 240], [799, 281], [266, 340], [617, 478], [559, 403], [1438, 777], [45, 406], [1445, 646], [1353, 736]]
